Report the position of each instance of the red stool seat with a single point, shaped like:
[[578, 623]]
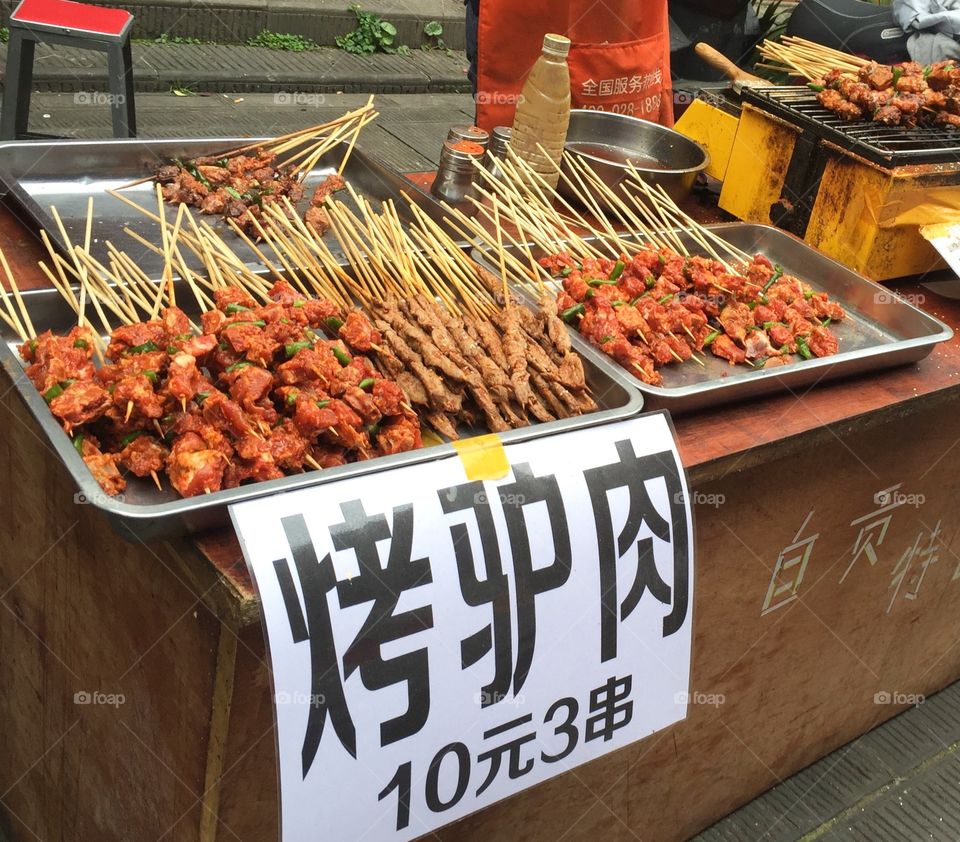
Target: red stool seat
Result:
[[70, 24], [66, 16]]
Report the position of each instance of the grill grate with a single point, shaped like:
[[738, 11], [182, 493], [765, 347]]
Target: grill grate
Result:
[[886, 146]]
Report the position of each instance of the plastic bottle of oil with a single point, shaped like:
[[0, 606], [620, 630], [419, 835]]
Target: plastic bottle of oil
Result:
[[543, 114]]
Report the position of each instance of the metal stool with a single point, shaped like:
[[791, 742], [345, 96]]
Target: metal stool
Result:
[[72, 25]]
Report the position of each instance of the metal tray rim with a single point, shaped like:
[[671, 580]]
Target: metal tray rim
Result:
[[925, 343], [112, 506], [40, 217]]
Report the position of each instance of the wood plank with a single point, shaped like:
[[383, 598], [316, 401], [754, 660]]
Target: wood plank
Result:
[[84, 612], [775, 686]]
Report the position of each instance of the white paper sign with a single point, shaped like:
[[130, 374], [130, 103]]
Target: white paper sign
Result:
[[945, 238], [439, 644]]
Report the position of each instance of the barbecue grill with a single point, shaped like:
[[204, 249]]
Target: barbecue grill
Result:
[[860, 191]]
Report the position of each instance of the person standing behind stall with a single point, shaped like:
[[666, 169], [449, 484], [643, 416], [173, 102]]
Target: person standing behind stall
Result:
[[619, 59]]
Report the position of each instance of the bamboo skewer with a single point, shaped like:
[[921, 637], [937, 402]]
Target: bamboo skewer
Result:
[[28, 324], [809, 59]]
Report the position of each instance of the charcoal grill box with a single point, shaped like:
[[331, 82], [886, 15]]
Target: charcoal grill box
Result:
[[857, 191]]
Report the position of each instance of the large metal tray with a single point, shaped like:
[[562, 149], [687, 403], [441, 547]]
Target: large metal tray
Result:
[[66, 173], [881, 330], [147, 514]]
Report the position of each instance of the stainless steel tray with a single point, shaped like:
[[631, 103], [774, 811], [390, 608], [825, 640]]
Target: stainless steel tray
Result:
[[65, 174], [145, 513], [881, 330]]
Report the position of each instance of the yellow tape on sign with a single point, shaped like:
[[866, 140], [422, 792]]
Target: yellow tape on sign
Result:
[[483, 457]]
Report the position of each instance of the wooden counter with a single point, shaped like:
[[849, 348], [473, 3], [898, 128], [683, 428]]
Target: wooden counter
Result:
[[180, 744]]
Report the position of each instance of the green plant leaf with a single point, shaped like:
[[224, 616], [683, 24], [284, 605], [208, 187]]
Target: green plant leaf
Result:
[[433, 29]]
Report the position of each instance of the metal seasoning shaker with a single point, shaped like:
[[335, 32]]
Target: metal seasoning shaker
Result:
[[471, 133], [455, 177], [497, 150]]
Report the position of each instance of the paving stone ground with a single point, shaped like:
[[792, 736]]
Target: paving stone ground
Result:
[[407, 136], [223, 67]]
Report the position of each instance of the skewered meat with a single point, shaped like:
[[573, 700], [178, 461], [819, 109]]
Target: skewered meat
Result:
[[900, 95], [330, 185], [240, 186], [878, 76], [103, 466], [834, 101], [757, 314], [82, 402]]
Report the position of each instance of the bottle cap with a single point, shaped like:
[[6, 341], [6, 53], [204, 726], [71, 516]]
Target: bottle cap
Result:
[[556, 44]]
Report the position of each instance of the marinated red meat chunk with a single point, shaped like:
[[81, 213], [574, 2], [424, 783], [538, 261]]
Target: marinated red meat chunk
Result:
[[199, 346], [313, 416], [388, 397], [907, 104], [878, 76], [144, 456], [135, 395], [362, 403], [193, 468], [889, 115], [225, 296], [725, 348], [141, 335], [757, 346], [287, 445], [103, 466], [215, 202], [215, 176], [822, 342], [835, 102], [359, 333], [632, 323], [283, 293], [576, 287], [250, 341], [942, 75], [331, 184], [782, 337], [328, 456], [310, 365], [908, 84], [736, 318], [226, 414], [175, 322], [80, 403], [398, 436]]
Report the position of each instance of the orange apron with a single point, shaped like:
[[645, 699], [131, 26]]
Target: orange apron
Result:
[[619, 59]]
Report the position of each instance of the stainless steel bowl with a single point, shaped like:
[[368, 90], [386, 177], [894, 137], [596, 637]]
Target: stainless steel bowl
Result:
[[600, 138]]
